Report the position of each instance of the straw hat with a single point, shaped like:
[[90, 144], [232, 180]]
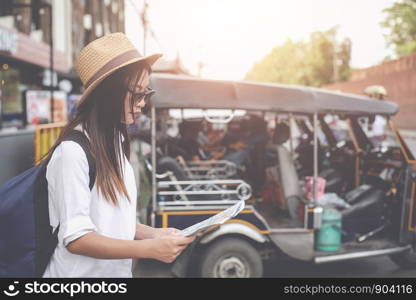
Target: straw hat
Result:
[[105, 55]]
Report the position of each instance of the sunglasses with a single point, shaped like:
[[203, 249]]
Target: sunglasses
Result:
[[137, 97]]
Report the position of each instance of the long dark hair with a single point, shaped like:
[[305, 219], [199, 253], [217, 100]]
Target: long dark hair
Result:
[[101, 115]]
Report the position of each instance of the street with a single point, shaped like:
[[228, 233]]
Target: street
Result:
[[368, 267]]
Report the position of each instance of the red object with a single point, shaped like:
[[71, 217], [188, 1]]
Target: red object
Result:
[[272, 193], [320, 187], [279, 196], [267, 194]]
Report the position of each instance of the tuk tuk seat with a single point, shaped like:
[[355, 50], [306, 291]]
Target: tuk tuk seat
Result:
[[289, 179]]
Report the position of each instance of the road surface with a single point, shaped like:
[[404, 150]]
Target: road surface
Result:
[[380, 266]]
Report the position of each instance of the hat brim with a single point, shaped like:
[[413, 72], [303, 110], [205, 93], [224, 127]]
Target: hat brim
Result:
[[150, 59]]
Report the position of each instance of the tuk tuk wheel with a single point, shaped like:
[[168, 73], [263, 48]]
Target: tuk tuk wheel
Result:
[[407, 259], [231, 258]]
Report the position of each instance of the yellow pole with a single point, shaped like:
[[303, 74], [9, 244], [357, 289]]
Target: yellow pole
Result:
[[37, 145], [44, 141]]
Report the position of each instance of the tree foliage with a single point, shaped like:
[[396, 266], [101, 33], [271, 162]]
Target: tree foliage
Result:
[[319, 61], [401, 23]]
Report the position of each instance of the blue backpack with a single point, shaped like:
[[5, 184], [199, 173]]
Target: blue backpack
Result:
[[26, 238]]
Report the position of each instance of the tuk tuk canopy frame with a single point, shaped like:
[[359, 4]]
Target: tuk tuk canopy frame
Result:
[[176, 91]]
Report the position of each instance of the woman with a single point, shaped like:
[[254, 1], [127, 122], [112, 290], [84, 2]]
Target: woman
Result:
[[98, 235]]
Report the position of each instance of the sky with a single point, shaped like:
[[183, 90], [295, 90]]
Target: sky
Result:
[[230, 36]]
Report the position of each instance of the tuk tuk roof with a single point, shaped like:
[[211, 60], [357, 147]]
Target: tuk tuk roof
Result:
[[177, 91]]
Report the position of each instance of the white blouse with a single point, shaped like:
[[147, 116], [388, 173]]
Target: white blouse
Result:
[[80, 210]]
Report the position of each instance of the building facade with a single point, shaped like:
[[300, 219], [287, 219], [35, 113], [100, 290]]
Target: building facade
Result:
[[26, 38], [25, 43], [398, 77]]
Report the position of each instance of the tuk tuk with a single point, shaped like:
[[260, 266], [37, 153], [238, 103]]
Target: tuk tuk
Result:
[[296, 136]]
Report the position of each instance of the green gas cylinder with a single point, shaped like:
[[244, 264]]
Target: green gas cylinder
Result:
[[328, 237]]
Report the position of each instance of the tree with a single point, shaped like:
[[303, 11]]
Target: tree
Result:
[[401, 23], [320, 61]]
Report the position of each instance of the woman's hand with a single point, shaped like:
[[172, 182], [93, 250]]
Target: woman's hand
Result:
[[167, 248], [164, 248], [160, 232], [147, 232]]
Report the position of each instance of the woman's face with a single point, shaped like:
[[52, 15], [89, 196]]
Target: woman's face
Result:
[[130, 116]]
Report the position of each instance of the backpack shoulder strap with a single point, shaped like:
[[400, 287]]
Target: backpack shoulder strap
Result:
[[81, 139]]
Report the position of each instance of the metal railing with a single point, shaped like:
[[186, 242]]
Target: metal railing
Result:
[[202, 192], [221, 169], [201, 170]]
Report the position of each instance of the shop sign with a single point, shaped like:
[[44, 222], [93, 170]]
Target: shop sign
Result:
[[38, 109], [8, 41]]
